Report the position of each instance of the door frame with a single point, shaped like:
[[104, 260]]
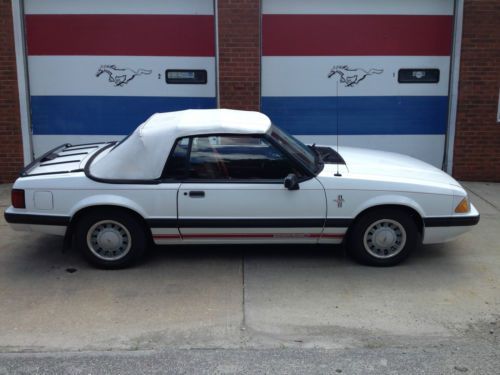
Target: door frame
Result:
[[22, 79]]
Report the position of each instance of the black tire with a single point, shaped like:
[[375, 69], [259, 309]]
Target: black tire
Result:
[[377, 233], [124, 245]]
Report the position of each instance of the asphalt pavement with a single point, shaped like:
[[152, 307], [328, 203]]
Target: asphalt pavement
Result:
[[253, 309]]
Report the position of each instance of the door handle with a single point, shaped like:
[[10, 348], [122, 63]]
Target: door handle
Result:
[[196, 194]]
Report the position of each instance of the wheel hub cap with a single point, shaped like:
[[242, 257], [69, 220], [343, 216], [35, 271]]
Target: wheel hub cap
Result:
[[385, 238], [109, 240]]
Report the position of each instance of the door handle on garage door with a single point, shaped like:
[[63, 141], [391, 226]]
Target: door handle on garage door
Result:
[[196, 194]]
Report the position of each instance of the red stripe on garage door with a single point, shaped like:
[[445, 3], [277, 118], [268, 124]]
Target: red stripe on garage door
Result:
[[356, 35], [120, 35]]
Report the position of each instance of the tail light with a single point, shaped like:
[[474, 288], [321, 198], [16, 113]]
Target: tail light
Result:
[[18, 200]]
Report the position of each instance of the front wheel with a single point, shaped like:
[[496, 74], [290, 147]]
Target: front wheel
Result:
[[383, 237], [111, 238]]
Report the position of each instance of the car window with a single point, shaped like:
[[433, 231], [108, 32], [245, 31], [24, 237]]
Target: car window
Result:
[[177, 161], [295, 147], [238, 158]]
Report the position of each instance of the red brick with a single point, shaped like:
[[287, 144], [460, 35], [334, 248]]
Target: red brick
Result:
[[477, 136], [239, 54], [11, 153]]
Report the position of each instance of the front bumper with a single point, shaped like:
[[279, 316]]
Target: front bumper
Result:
[[444, 229]]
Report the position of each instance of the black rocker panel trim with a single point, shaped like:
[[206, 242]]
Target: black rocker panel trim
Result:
[[248, 223], [337, 223], [192, 223], [451, 221], [16, 218], [162, 223]]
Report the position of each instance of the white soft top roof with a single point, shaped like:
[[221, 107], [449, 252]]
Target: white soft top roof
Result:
[[144, 153]]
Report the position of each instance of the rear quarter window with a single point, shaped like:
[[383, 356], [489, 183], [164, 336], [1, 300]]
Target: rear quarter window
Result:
[[177, 162]]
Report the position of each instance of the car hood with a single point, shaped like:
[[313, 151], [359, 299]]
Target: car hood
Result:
[[361, 161]]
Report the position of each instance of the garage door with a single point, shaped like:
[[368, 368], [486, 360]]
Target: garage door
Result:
[[98, 68], [374, 72]]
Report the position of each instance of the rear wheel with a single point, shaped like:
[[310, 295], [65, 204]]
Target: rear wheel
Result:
[[111, 238], [383, 237]]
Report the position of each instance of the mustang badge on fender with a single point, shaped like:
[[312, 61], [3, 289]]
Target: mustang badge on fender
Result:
[[339, 201]]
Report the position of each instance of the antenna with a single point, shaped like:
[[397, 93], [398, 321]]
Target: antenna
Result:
[[337, 114]]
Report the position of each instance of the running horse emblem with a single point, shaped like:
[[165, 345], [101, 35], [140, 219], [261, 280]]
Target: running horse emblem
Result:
[[350, 77], [120, 76]]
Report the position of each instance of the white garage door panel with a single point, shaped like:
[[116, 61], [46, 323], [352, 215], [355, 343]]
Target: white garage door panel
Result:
[[441, 7], [118, 7], [50, 75], [308, 76]]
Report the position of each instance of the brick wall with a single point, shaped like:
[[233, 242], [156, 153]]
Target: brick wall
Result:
[[477, 141], [239, 54], [11, 149]]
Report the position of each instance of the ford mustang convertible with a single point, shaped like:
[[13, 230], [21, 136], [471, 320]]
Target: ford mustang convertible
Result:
[[232, 177]]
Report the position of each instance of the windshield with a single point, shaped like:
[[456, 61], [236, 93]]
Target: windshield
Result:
[[294, 147]]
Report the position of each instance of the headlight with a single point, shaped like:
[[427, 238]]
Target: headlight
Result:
[[463, 207]]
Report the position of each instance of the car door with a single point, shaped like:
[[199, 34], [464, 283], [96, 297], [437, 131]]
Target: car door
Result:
[[233, 192]]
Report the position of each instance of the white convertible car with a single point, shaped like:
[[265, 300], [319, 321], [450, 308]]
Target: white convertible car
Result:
[[224, 176]]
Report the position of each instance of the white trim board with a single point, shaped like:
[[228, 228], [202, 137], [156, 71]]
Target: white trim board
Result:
[[454, 83], [22, 79]]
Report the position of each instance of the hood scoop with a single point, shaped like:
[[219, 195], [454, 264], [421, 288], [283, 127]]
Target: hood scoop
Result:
[[329, 155]]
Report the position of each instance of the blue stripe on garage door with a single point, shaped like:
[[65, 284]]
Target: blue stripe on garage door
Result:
[[104, 115], [359, 115]]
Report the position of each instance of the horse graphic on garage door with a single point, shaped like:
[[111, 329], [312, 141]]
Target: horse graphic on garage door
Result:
[[120, 76], [349, 76]]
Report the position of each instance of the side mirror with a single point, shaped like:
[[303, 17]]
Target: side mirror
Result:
[[291, 182]]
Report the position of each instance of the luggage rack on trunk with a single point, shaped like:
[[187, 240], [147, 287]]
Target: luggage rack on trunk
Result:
[[64, 154]]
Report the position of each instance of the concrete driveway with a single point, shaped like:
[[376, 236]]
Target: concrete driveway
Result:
[[251, 297]]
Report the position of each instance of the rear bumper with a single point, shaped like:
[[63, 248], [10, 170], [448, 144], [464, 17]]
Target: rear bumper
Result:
[[443, 229], [50, 224], [17, 218]]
